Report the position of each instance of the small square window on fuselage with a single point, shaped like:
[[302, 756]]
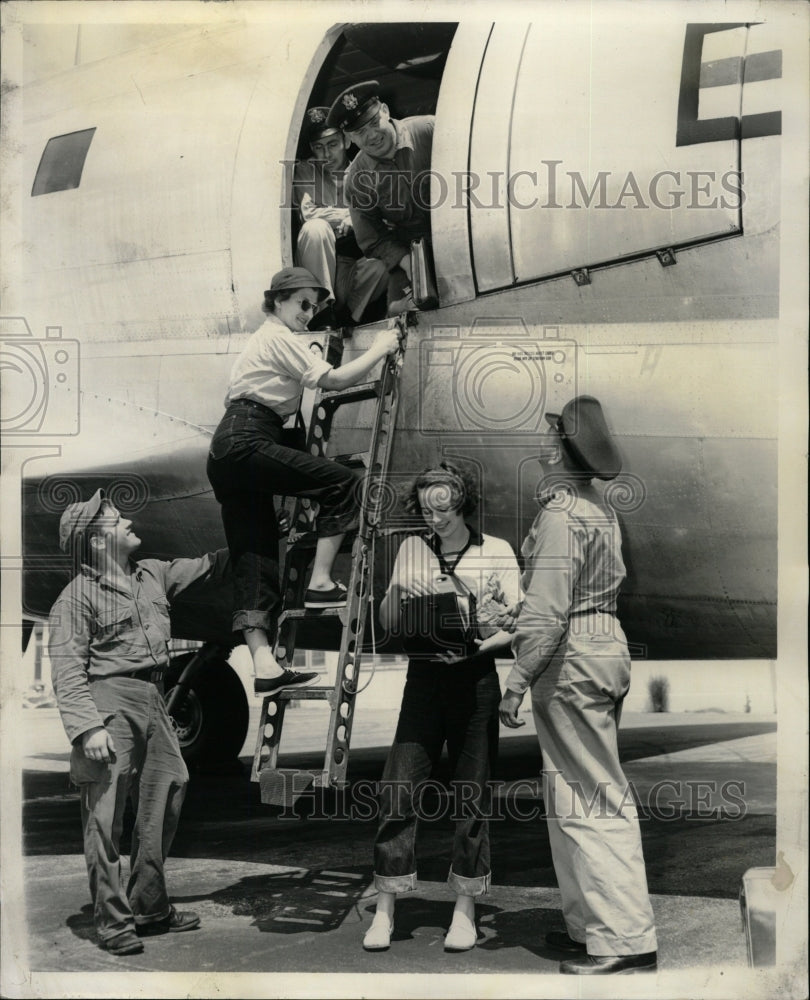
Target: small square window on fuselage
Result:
[[60, 168]]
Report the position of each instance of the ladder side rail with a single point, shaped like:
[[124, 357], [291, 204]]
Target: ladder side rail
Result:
[[353, 616], [336, 754], [336, 751]]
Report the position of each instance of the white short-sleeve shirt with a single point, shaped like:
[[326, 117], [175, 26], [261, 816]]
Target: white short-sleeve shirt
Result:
[[488, 568], [274, 367]]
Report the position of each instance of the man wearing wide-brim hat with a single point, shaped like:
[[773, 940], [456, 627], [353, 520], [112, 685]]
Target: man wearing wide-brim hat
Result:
[[571, 651], [107, 642], [326, 245], [387, 184]]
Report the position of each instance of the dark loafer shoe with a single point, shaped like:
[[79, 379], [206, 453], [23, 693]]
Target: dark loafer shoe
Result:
[[289, 679], [176, 921], [123, 944], [607, 965], [335, 597], [564, 942]]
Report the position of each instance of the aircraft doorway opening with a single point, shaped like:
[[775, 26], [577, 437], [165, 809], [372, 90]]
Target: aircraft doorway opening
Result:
[[407, 60]]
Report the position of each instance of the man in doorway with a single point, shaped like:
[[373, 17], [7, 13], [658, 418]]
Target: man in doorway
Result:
[[387, 184], [326, 244], [108, 636]]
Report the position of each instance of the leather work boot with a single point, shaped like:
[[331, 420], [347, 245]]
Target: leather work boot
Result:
[[176, 921]]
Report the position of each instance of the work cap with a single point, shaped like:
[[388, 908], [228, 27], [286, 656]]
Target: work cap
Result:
[[355, 106], [296, 277], [315, 125], [585, 434], [76, 517]]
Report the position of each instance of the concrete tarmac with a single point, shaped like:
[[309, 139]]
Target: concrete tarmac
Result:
[[294, 893]]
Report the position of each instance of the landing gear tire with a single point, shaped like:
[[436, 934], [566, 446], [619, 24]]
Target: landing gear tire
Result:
[[211, 721]]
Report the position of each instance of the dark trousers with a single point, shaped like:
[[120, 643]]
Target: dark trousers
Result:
[[247, 466], [458, 705], [398, 281], [148, 769]]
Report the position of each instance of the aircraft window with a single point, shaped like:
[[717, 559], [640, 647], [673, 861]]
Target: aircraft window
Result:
[[60, 168], [407, 59]]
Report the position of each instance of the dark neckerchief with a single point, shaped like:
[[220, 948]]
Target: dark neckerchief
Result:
[[434, 542]]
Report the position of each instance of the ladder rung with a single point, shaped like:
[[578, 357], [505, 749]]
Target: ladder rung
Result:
[[300, 613], [308, 541], [283, 785], [354, 394], [305, 694]]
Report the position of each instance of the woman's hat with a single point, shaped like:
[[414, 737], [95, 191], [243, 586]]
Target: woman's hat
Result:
[[585, 434], [296, 277]]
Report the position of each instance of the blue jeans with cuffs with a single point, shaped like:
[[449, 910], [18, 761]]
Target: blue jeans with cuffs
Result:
[[456, 704]]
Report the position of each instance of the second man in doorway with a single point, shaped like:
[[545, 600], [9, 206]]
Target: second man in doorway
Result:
[[326, 245], [387, 185]]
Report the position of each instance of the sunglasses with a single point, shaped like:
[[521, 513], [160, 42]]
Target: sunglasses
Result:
[[306, 306]]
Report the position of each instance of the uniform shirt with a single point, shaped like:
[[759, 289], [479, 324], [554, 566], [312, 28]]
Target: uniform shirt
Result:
[[274, 366], [488, 568], [102, 625], [390, 199], [573, 566], [318, 193]]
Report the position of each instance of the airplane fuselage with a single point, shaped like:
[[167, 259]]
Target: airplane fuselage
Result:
[[574, 254]]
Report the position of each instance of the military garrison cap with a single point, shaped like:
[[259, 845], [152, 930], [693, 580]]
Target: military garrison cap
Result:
[[355, 106], [315, 125], [585, 435]]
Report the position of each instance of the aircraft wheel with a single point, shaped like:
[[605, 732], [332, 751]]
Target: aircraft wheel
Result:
[[211, 722]]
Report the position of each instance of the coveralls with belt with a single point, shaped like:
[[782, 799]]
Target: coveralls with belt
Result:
[[570, 649]]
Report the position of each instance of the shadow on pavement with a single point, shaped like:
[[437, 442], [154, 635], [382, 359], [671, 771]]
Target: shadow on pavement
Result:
[[81, 924], [316, 899]]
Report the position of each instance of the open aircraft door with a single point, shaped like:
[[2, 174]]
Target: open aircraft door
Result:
[[542, 201]]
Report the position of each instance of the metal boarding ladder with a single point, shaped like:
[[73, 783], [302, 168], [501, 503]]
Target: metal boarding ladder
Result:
[[282, 786]]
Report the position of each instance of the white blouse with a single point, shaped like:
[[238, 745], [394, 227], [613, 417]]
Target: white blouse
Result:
[[488, 568], [274, 366]]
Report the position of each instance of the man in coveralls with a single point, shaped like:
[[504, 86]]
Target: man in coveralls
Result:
[[387, 184], [326, 245], [108, 634], [571, 651]]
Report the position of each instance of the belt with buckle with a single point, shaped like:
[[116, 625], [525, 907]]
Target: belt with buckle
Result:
[[253, 404], [148, 674]]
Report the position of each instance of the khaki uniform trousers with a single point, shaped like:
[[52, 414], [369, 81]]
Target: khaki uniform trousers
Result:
[[354, 283], [592, 818]]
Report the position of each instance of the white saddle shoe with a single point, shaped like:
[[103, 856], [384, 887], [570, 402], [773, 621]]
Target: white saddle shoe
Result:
[[378, 936], [462, 934]]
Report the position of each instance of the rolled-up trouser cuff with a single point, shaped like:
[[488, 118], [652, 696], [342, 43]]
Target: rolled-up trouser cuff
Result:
[[330, 525], [146, 921], [253, 619], [478, 886], [395, 883]]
